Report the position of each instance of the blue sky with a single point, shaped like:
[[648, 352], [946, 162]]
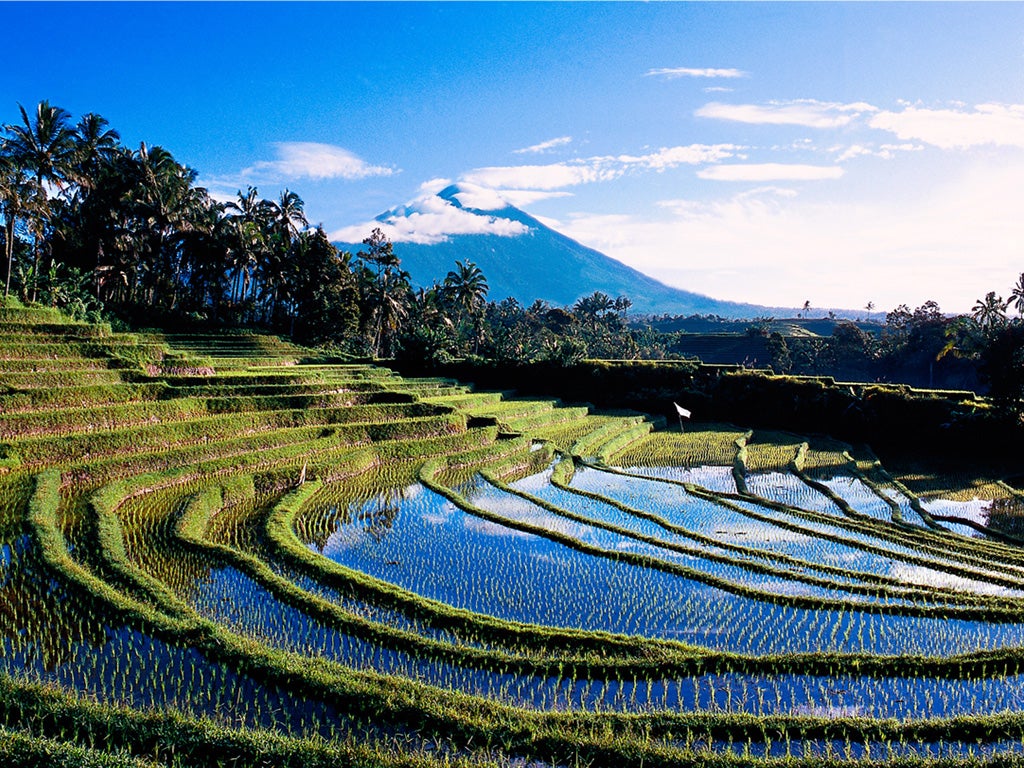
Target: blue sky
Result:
[[773, 153]]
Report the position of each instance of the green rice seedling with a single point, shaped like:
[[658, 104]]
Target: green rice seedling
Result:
[[52, 450], [565, 434], [23, 380], [771, 451], [81, 397], [28, 750], [608, 450], [50, 365], [703, 445]]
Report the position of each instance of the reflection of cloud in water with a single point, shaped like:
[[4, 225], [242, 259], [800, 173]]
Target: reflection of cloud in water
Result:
[[343, 539], [779, 587], [707, 631], [712, 477], [441, 515], [487, 528], [915, 574], [435, 518], [754, 532], [976, 510], [546, 557], [411, 491], [848, 557], [523, 511]]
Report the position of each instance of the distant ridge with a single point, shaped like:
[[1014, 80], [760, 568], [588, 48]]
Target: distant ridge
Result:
[[538, 263]]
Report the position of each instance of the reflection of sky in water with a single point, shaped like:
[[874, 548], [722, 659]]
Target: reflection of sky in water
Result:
[[232, 599], [369, 520], [444, 554], [859, 496], [976, 510], [910, 514], [713, 478], [693, 558], [729, 526]]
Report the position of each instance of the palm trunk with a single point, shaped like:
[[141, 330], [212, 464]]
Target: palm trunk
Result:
[[9, 249], [35, 268]]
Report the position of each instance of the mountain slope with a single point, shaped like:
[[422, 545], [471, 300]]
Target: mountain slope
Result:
[[525, 259]]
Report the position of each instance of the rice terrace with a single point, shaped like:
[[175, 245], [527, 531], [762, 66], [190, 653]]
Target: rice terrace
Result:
[[511, 385], [220, 550]]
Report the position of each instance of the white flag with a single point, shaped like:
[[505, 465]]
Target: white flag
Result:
[[683, 413]]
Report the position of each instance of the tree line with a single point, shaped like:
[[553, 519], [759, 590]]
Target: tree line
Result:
[[100, 229], [924, 347]]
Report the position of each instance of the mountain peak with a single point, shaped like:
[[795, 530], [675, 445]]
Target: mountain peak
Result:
[[464, 195], [522, 257]]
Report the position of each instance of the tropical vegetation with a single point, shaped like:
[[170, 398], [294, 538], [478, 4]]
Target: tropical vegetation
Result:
[[105, 231], [221, 546]]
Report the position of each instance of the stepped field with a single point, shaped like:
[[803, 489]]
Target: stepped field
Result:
[[223, 551]]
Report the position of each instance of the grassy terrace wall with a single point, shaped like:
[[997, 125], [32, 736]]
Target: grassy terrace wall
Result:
[[222, 551], [888, 417]]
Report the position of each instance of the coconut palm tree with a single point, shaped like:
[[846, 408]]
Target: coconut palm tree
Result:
[[285, 219], [467, 289], [1017, 296], [390, 298], [45, 147], [16, 199], [163, 205], [289, 216], [249, 218], [989, 312], [96, 143]]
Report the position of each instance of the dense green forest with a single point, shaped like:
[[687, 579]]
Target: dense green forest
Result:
[[99, 229]]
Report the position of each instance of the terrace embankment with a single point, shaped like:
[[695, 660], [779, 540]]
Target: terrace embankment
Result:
[[945, 426], [224, 550]]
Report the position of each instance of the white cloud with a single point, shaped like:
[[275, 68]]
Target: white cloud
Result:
[[312, 160], [486, 199], [807, 112], [774, 248], [595, 169], [480, 198], [544, 146], [885, 151], [521, 198], [549, 222], [431, 219], [670, 157], [770, 172], [542, 177], [672, 73], [433, 186], [956, 128], [219, 190]]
